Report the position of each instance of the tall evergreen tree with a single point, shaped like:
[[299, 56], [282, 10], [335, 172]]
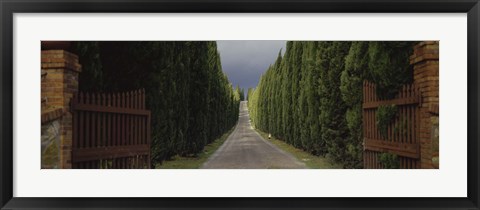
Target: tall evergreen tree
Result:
[[333, 108], [191, 100], [356, 68], [312, 96], [307, 104]]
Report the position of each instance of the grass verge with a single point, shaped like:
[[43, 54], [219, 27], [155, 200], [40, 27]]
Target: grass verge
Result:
[[312, 161], [179, 162]]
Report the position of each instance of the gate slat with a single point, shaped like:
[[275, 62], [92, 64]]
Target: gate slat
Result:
[[109, 128], [118, 121], [402, 131], [92, 122], [128, 121], [135, 106], [108, 125], [104, 122], [123, 121], [99, 123], [87, 122]]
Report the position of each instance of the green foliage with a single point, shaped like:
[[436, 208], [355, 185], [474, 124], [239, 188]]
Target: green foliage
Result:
[[241, 91], [385, 115], [89, 56], [356, 68], [332, 116], [389, 66], [194, 162], [191, 100], [389, 161], [401, 129], [312, 96]]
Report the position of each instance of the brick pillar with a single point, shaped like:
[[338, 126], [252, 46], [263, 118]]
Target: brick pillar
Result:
[[425, 60], [60, 71]]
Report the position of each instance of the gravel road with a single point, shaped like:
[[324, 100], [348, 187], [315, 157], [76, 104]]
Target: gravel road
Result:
[[246, 149]]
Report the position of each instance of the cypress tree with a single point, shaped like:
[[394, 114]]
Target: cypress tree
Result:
[[356, 68], [296, 65], [191, 99], [312, 96], [307, 98]]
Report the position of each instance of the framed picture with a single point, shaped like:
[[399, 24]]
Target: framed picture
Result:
[[239, 105]]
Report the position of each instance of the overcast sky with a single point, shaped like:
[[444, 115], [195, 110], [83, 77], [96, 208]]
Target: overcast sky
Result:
[[245, 61]]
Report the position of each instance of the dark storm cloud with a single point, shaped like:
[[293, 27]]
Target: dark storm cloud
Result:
[[245, 61]]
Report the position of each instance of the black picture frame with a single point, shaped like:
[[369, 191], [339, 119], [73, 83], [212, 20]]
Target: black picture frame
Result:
[[10, 7]]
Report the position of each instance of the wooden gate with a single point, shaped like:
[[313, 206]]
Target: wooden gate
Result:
[[110, 131], [401, 136]]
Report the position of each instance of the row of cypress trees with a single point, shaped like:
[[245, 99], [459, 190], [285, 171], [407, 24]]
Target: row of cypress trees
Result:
[[311, 97], [191, 99]]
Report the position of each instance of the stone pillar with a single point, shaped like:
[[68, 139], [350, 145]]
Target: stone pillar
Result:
[[425, 61], [60, 71]]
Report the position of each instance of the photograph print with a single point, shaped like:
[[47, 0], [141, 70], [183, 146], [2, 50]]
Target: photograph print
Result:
[[240, 104]]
